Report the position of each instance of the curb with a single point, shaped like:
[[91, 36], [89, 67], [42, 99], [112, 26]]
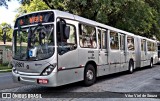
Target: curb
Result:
[[5, 70]]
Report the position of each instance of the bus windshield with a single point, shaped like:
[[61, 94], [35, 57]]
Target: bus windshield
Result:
[[33, 43]]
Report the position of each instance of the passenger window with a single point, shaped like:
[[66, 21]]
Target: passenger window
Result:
[[69, 44], [114, 41], [143, 48], [149, 46], [104, 39], [99, 38], [87, 36], [122, 42], [153, 47], [72, 37], [130, 43]]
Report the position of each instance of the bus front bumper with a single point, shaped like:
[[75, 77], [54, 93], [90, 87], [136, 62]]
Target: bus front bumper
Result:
[[49, 81]]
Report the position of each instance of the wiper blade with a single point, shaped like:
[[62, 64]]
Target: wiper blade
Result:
[[39, 24]]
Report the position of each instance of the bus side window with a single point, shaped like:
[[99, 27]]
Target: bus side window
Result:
[[130, 43], [154, 47], [72, 37], [114, 41], [104, 39], [68, 44], [122, 42], [143, 45], [87, 36], [99, 38], [149, 46]]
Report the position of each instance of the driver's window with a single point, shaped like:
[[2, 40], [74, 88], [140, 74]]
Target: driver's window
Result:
[[72, 35], [66, 45]]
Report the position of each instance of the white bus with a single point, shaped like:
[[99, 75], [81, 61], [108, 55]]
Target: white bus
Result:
[[54, 48]]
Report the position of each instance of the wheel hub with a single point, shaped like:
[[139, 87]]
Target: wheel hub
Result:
[[90, 75]]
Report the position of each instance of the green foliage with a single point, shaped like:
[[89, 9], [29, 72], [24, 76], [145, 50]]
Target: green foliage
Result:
[[34, 5], [29, 6], [137, 19], [9, 32], [1, 34], [140, 17], [4, 3]]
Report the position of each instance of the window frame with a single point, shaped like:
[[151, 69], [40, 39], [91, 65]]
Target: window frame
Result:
[[75, 33], [103, 35], [144, 45], [80, 31], [111, 31], [132, 43], [150, 46], [99, 40], [120, 36]]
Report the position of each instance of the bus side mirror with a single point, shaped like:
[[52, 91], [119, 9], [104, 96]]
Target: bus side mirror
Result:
[[4, 36], [67, 32], [64, 29]]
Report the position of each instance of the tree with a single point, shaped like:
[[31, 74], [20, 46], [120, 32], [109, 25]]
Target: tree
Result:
[[31, 6], [155, 4], [9, 31], [140, 17], [4, 3], [137, 19]]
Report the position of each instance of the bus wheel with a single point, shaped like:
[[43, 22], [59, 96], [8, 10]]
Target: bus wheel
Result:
[[151, 63], [89, 75], [131, 67]]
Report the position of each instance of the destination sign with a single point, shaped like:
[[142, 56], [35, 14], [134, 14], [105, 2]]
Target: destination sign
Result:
[[35, 18]]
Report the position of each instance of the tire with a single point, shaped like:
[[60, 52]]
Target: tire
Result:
[[131, 67], [151, 63], [89, 75]]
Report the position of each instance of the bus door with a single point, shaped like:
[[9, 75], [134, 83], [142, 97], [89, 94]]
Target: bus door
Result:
[[114, 53], [103, 52], [123, 52], [131, 49], [143, 53], [67, 56]]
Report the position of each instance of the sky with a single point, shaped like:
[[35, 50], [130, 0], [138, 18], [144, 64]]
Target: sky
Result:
[[8, 15]]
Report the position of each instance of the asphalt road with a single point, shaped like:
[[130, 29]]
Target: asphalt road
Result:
[[115, 87], [6, 81]]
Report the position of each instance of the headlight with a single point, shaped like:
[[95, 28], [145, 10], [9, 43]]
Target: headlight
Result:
[[48, 70], [14, 70]]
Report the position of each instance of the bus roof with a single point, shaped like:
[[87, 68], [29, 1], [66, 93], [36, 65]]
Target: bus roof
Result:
[[67, 15]]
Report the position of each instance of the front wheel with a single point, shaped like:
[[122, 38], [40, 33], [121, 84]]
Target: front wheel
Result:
[[89, 75]]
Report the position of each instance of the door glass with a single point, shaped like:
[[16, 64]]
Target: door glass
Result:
[[122, 42], [66, 45], [130, 43], [104, 39], [114, 42], [99, 38]]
